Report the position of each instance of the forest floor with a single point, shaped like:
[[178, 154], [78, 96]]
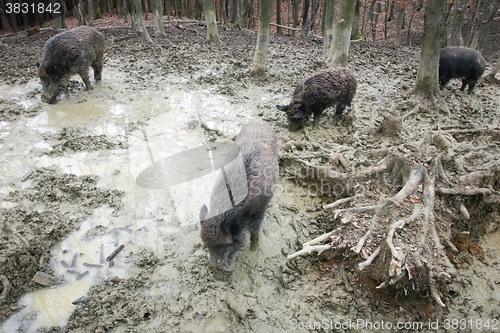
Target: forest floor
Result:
[[68, 188]]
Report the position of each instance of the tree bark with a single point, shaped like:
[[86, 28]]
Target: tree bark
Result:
[[367, 18], [374, 25], [158, 17], [279, 30], [295, 14], [209, 12], [454, 36], [329, 15], [305, 12], [57, 17], [495, 69], [261, 50], [485, 27], [339, 49], [91, 14], [386, 19], [427, 83], [399, 26], [138, 20], [355, 22]]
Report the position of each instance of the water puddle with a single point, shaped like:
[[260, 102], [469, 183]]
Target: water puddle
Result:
[[156, 217]]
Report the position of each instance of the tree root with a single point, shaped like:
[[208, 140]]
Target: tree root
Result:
[[411, 254], [6, 288]]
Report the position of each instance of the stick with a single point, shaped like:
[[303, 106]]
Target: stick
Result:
[[468, 192], [115, 252], [357, 209], [18, 235]]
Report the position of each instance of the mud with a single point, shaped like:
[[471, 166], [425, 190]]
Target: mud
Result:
[[68, 171]]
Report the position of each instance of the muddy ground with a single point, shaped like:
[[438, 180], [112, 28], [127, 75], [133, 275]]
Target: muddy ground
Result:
[[68, 171]]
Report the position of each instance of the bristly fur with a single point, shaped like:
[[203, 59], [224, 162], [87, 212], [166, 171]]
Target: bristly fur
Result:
[[330, 87]]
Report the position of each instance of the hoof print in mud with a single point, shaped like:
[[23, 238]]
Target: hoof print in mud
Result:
[[241, 194]]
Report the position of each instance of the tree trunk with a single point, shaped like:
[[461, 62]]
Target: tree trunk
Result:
[[411, 21], [329, 15], [475, 21], [339, 49], [386, 18], [145, 9], [57, 16], [138, 20], [454, 36], [91, 14], [355, 22], [77, 12], [198, 8], [209, 12], [295, 14], [427, 83], [314, 12], [367, 18], [158, 17], [399, 26], [305, 12], [485, 28], [279, 30], [261, 50], [374, 25]]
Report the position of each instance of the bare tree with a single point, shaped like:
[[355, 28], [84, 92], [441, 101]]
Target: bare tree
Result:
[[91, 14], [485, 27], [427, 83], [401, 16], [494, 71], [209, 11], [158, 17], [454, 35], [329, 19], [355, 21], [367, 17], [295, 14], [138, 20], [279, 30], [339, 49], [261, 50]]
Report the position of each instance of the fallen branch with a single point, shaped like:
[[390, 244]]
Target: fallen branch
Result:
[[310, 249], [466, 192]]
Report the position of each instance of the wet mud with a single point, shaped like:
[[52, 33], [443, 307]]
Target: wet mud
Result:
[[68, 187]]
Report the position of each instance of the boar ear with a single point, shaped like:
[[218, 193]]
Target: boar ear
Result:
[[203, 213], [232, 227], [37, 64], [298, 114], [282, 107]]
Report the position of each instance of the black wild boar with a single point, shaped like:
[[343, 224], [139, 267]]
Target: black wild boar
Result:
[[241, 194], [335, 86], [462, 63], [68, 53]]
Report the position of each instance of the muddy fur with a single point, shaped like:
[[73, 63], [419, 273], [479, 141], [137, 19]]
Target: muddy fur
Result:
[[460, 63], [68, 53], [231, 230], [335, 86]]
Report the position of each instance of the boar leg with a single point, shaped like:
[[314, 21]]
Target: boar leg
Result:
[[85, 78], [317, 114]]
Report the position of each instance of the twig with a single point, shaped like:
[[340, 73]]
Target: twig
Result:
[[370, 259], [115, 252], [18, 235], [362, 241]]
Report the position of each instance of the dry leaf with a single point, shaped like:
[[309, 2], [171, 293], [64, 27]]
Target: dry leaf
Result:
[[414, 198]]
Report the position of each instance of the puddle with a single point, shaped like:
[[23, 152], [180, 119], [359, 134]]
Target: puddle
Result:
[[155, 215]]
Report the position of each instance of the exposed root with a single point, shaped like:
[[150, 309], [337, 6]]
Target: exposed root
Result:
[[411, 254], [6, 288]]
